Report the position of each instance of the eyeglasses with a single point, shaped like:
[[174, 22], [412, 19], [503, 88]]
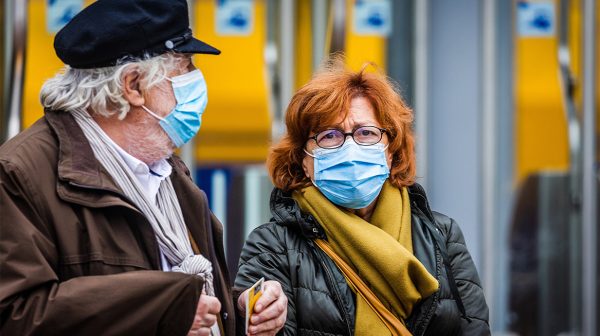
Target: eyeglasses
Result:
[[334, 138]]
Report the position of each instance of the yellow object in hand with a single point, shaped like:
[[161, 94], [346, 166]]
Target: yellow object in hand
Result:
[[254, 293]]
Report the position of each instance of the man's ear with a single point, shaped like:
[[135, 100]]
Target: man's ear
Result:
[[131, 87]]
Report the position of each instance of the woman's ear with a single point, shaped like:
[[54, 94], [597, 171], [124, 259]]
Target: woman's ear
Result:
[[308, 167], [389, 157], [131, 87], [305, 167]]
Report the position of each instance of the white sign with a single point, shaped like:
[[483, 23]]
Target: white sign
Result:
[[535, 19], [60, 12], [235, 17], [372, 17]]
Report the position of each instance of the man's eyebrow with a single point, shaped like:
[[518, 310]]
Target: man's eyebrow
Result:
[[184, 61]]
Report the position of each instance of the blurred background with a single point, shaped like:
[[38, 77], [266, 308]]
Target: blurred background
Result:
[[505, 96]]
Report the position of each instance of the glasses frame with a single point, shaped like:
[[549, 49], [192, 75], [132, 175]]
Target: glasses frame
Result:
[[348, 134]]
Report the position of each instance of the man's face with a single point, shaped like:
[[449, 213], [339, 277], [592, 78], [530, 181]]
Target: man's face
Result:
[[148, 141], [160, 98]]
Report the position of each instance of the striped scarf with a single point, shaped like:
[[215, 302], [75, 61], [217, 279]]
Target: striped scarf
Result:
[[165, 216]]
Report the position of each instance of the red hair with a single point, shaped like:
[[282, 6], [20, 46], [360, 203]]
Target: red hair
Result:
[[321, 102]]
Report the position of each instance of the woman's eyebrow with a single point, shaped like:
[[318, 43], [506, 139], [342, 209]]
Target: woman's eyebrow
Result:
[[363, 123]]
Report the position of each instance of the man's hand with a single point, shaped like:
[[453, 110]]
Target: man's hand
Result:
[[206, 315], [270, 311]]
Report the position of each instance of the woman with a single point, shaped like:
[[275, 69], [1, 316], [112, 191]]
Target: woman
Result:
[[353, 240]]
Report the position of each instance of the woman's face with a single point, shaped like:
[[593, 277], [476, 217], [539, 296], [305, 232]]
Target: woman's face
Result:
[[361, 114]]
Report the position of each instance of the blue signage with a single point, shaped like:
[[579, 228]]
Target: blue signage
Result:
[[60, 12], [535, 19], [372, 17], [235, 17]]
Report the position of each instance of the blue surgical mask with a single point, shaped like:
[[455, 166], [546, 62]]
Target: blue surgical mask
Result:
[[182, 124], [350, 176]]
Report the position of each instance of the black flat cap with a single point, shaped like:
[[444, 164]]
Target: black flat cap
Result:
[[111, 30]]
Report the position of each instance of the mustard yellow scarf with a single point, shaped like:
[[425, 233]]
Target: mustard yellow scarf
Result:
[[379, 251]]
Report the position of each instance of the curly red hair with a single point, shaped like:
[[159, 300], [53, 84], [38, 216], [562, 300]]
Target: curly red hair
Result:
[[320, 102]]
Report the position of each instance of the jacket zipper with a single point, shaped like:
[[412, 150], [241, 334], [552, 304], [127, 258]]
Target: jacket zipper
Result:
[[421, 326], [334, 286]]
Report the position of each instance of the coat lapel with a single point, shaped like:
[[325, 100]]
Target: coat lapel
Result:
[[83, 180]]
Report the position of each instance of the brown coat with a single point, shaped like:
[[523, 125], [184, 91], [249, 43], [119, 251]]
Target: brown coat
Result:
[[78, 258]]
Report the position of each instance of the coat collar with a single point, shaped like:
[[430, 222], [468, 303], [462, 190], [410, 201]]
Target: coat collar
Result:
[[81, 178], [287, 212], [419, 201], [76, 163]]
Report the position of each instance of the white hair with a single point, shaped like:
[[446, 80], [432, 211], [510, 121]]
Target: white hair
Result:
[[101, 89]]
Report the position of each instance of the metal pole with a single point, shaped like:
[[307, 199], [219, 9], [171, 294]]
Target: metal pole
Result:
[[575, 178], [568, 87], [421, 76], [287, 62], [488, 151], [319, 31], [337, 41], [3, 67], [187, 151], [16, 20], [590, 184]]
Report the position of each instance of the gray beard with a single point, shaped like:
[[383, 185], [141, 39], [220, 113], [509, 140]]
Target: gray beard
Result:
[[148, 142]]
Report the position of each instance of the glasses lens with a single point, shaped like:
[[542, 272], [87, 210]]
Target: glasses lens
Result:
[[330, 138], [368, 135]]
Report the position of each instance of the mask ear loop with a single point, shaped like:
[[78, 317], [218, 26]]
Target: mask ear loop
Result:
[[307, 153], [311, 155], [152, 113]]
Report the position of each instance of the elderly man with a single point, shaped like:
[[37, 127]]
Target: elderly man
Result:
[[102, 230]]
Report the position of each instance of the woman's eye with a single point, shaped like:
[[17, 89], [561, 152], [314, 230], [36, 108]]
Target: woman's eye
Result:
[[329, 134]]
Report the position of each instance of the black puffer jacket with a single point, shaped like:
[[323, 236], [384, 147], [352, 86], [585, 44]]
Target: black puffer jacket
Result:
[[320, 301]]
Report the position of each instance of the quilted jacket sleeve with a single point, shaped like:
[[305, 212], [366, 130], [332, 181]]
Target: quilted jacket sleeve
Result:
[[466, 278], [265, 255]]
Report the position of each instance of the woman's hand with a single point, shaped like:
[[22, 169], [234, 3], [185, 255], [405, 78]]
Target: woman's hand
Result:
[[270, 310]]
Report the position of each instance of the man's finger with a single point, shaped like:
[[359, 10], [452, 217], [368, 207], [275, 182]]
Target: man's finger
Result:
[[208, 304], [208, 320], [215, 306], [197, 323], [207, 309], [204, 332]]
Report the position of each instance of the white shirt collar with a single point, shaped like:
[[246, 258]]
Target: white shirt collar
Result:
[[160, 168], [149, 176]]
